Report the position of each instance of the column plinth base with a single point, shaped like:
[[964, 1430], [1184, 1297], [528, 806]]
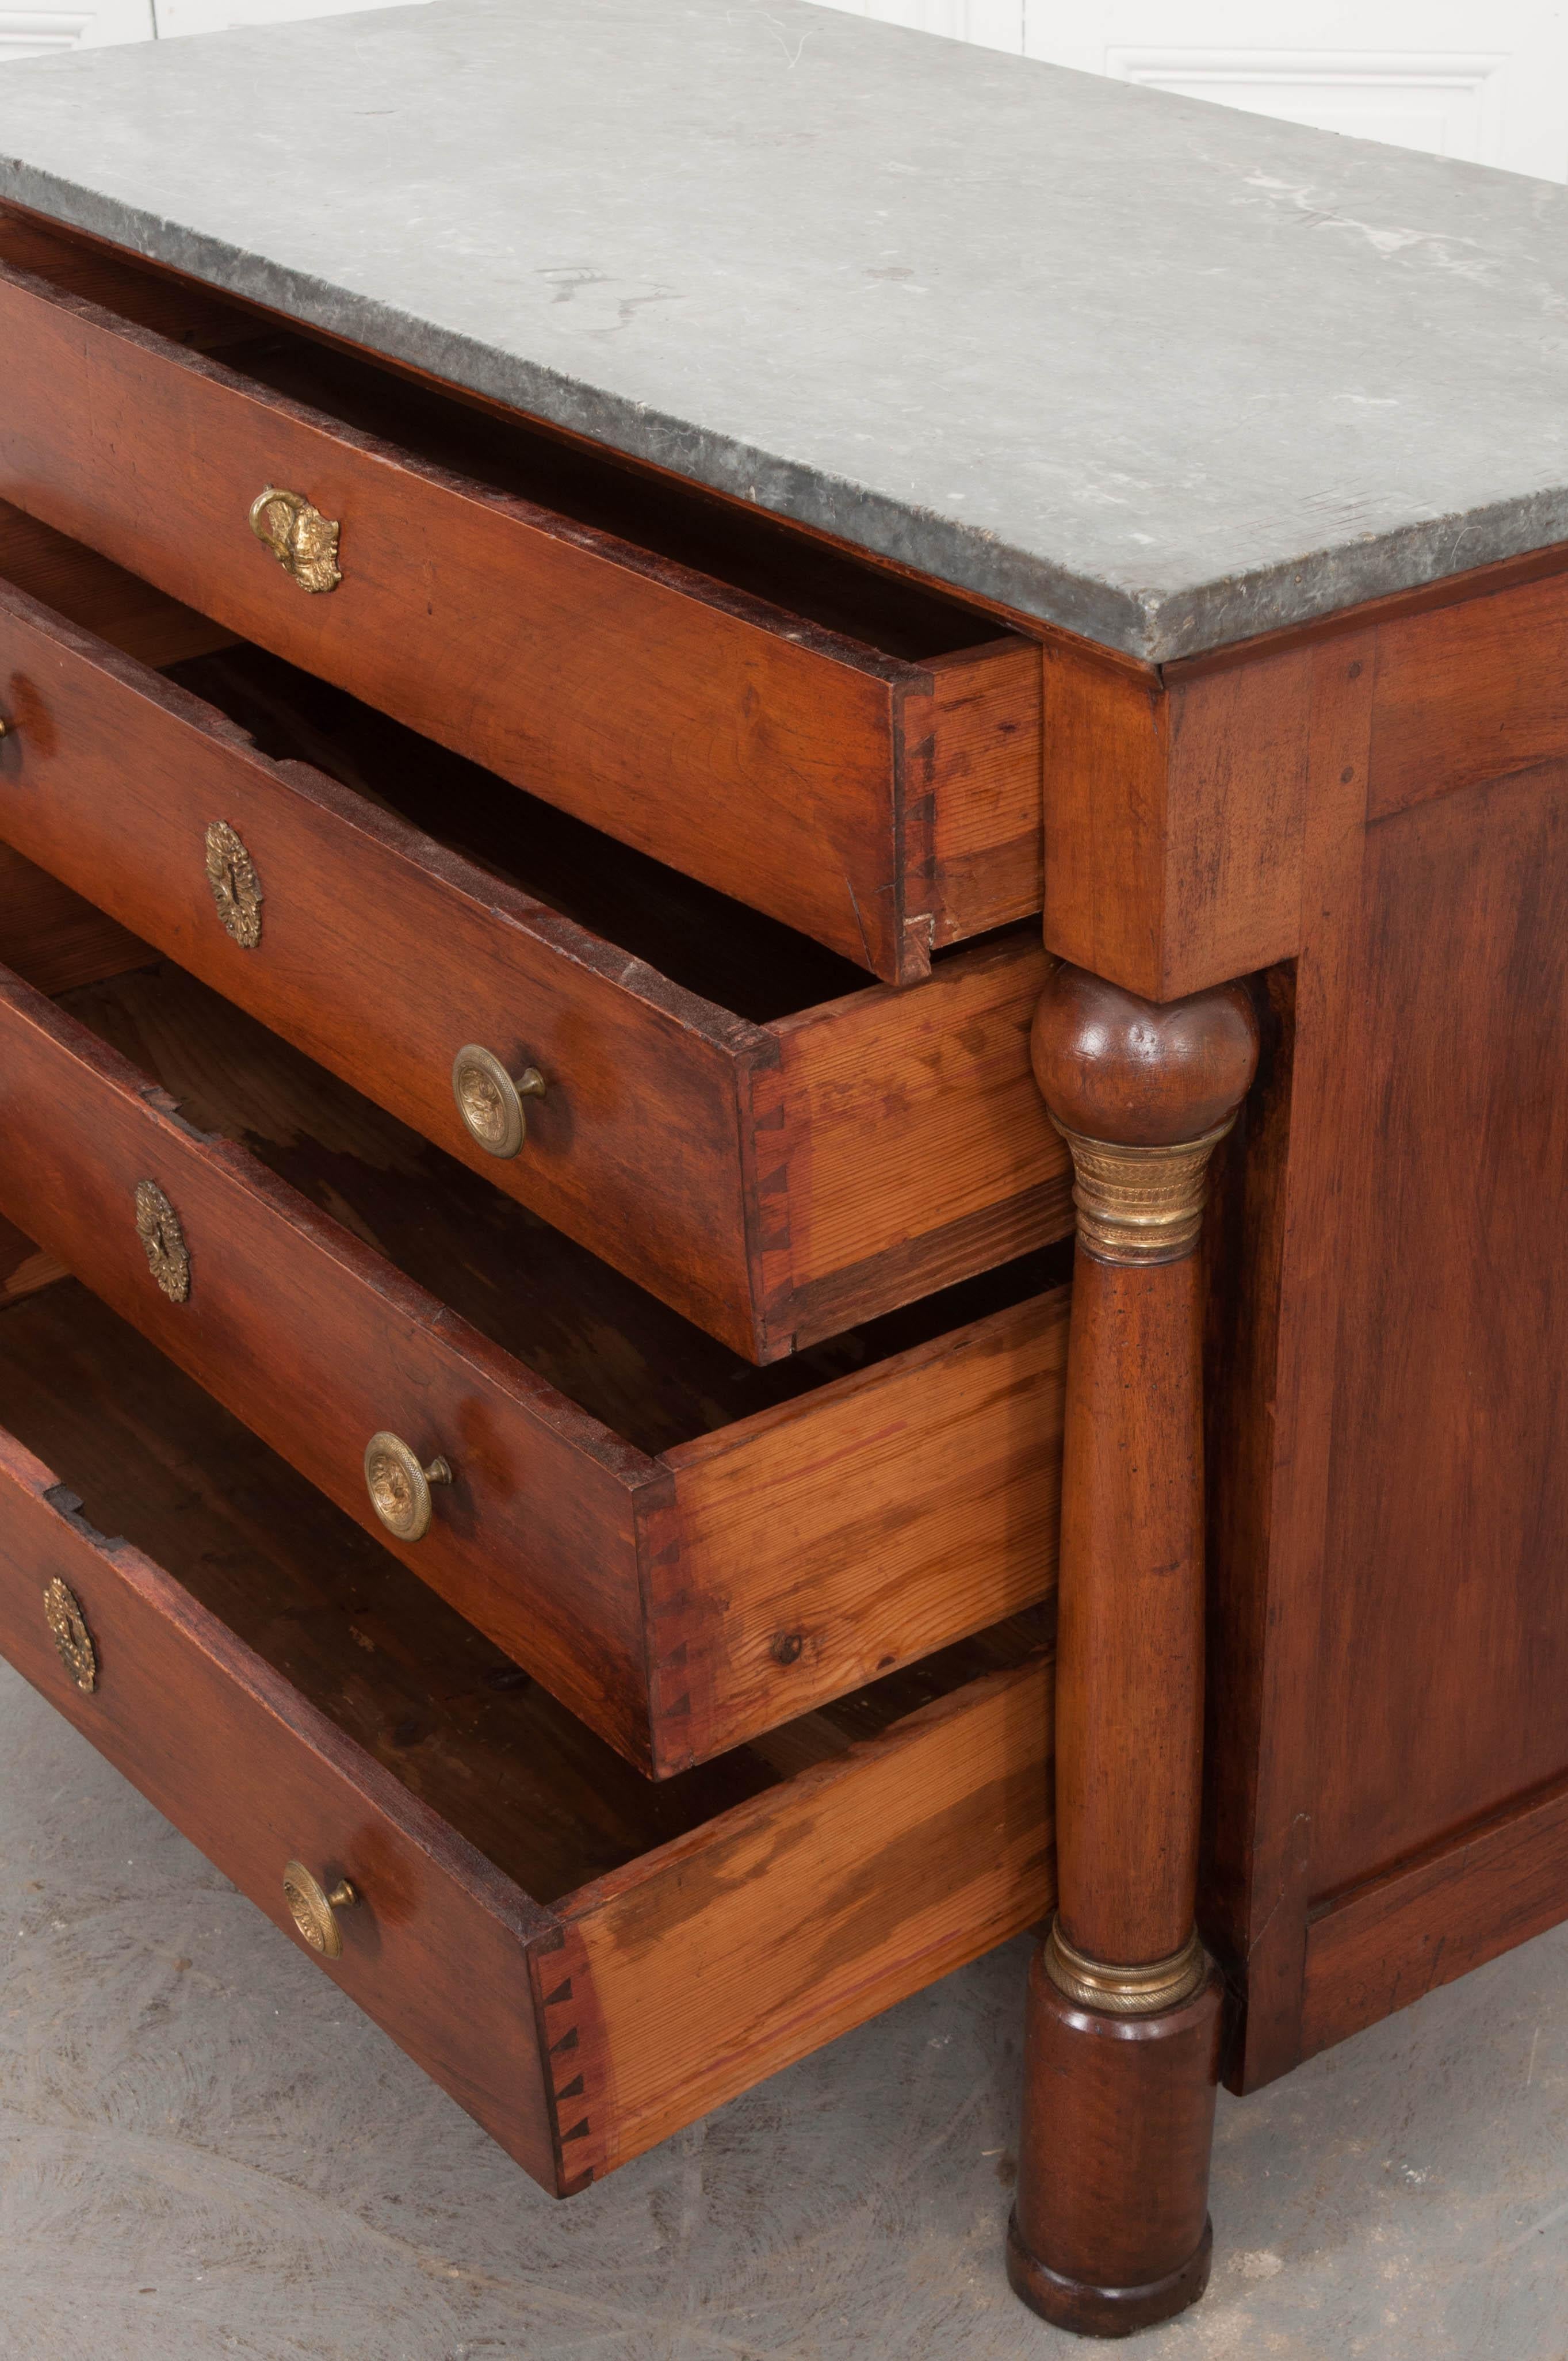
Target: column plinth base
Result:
[[1105, 2311]]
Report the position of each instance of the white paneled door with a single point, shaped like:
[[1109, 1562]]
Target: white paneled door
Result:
[[1482, 79]]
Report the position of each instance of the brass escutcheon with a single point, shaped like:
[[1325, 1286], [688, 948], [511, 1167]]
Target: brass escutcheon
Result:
[[489, 1099], [400, 1486], [237, 888], [311, 1907], [63, 1615], [303, 542], [158, 1226]]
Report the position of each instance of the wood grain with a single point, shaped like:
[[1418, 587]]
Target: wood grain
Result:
[[1110, 2232], [330, 1707], [935, 1476], [1470, 693], [317, 1343], [1390, 1941], [697, 721], [907, 1116], [693, 1559], [384, 949], [102, 598], [256, 1777], [1174, 819], [733, 1951], [50, 936]]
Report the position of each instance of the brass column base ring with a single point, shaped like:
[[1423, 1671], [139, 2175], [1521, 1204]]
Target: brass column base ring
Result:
[[1143, 1991]]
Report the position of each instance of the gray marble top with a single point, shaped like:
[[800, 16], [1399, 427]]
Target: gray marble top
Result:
[[1164, 373]]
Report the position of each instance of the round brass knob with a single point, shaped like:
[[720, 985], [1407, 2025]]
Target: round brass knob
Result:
[[7, 729], [489, 1099], [400, 1486], [310, 1907]]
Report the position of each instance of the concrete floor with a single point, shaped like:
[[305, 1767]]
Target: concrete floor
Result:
[[206, 2152]]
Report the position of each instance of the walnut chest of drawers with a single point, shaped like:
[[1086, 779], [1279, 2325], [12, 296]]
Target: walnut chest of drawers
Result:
[[638, 898]]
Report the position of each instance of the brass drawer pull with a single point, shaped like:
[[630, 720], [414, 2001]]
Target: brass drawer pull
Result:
[[400, 1486], [7, 727], [163, 1241], [63, 1615], [312, 1908], [489, 1099], [303, 542], [237, 888]]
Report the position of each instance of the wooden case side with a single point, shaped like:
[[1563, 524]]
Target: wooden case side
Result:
[[381, 954], [724, 1956], [705, 727], [1392, 1940], [986, 789], [437, 1950], [915, 1146], [317, 1344], [867, 1524]]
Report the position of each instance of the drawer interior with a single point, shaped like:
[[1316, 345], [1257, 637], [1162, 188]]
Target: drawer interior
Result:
[[738, 547], [614, 1349], [157, 1461], [738, 958]]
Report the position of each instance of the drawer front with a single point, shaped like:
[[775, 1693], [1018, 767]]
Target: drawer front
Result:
[[381, 955], [256, 1777], [793, 769], [317, 1344]]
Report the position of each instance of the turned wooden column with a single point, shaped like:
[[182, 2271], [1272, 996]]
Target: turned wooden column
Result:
[[1110, 2232]]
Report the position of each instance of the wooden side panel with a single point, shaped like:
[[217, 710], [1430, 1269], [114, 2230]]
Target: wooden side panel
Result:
[[917, 1148], [1409, 1676], [50, 937], [255, 1776], [100, 597], [696, 723], [869, 1522], [986, 782], [1444, 1687], [1384, 1945], [381, 955], [722, 1956], [1469, 692], [317, 1343]]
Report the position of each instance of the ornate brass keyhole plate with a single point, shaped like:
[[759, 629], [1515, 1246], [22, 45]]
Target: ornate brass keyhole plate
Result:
[[303, 542], [158, 1226], [71, 1635], [236, 889]]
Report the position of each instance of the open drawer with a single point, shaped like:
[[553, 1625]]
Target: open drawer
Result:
[[730, 1112], [685, 1548], [857, 755], [586, 1962]]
